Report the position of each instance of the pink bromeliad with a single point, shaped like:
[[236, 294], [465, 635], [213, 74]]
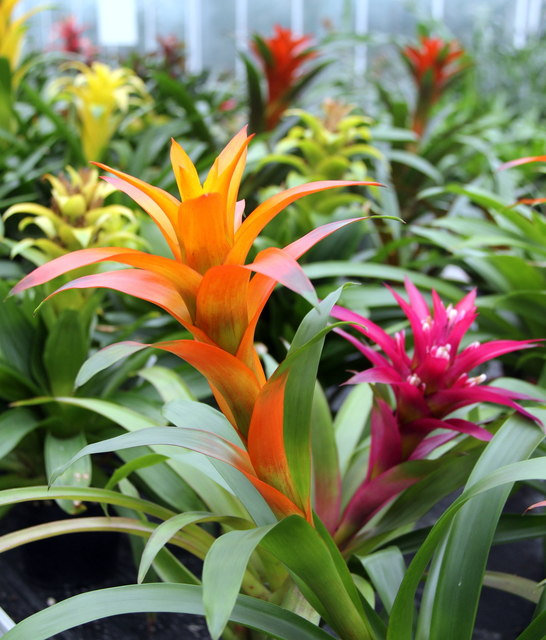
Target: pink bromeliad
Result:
[[428, 386]]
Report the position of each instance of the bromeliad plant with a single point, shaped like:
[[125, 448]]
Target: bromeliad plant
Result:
[[77, 218], [71, 41], [281, 58], [429, 387], [101, 97], [207, 286], [434, 63], [12, 32]]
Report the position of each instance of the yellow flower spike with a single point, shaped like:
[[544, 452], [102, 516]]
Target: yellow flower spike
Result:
[[11, 35], [101, 97]]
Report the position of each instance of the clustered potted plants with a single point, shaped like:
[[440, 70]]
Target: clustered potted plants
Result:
[[269, 370]]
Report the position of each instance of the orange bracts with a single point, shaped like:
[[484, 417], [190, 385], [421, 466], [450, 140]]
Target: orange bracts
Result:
[[209, 289]]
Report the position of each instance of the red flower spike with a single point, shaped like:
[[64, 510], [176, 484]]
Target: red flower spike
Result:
[[281, 57], [433, 64]]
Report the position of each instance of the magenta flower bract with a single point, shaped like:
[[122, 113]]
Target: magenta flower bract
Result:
[[428, 386]]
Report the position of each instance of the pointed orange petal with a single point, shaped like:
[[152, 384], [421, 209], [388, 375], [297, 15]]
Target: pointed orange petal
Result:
[[225, 176], [184, 279], [279, 265], [68, 262], [233, 383], [222, 311], [202, 224], [266, 211], [138, 283], [153, 210], [165, 201], [185, 173]]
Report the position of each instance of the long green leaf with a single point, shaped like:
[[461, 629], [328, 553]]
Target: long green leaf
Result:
[[461, 566], [86, 607], [326, 583], [166, 530], [386, 569], [64, 352], [91, 494], [14, 426], [82, 525], [223, 572], [302, 363], [401, 620], [346, 269]]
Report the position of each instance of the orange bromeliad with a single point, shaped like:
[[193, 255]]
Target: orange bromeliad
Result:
[[215, 295]]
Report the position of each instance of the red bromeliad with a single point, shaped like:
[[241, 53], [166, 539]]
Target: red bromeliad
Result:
[[428, 386], [433, 66], [72, 41], [282, 57], [208, 288]]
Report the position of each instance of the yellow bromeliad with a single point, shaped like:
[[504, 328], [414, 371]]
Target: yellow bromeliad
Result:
[[11, 35], [101, 96], [209, 287], [77, 217]]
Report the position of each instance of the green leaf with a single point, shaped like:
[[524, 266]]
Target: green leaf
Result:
[[80, 525], [255, 99], [180, 598], [167, 383], [163, 481], [178, 91], [350, 422], [166, 530], [61, 128], [65, 350], [142, 462], [400, 624], [416, 162], [56, 452], [386, 569], [14, 426], [321, 572], [87, 494], [126, 418], [16, 335], [105, 358], [518, 586], [198, 440], [346, 269], [460, 565], [223, 572], [302, 364]]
